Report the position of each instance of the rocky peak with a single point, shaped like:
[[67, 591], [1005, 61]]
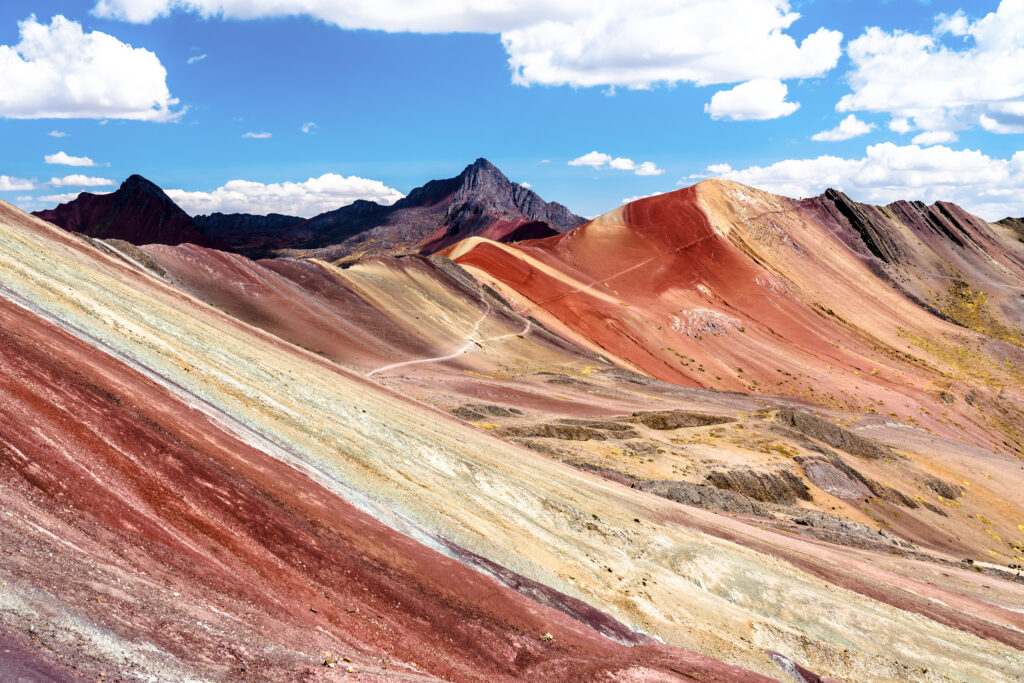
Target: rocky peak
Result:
[[484, 189], [138, 212]]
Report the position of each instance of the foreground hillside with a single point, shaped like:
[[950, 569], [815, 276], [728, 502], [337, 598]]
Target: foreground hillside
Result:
[[225, 468]]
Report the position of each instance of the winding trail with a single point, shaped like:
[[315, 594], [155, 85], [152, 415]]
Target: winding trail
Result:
[[465, 348]]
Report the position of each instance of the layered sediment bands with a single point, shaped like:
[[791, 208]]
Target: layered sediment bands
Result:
[[676, 419], [164, 528], [384, 315], [705, 496], [878, 240], [781, 486], [720, 286], [924, 248], [692, 578], [832, 434]]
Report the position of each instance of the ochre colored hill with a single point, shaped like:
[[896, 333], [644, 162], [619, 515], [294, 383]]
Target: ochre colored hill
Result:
[[211, 464], [723, 286]]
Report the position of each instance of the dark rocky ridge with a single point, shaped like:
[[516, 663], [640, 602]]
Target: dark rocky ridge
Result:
[[479, 201], [258, 233], [138, 212], [832, 434], [938, 255]]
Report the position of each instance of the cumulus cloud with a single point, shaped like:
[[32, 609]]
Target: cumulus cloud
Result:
[[78, 180], [850, 127], [309, 127], [9, 184], [940, 88], [934, 137], [900, 125], [61, 72], [50, 199], [526, 185], [993, 126], [257, 136], [65, 159], [988, 186], [600, 160], [756, 100], [572, 42], [314, 196]]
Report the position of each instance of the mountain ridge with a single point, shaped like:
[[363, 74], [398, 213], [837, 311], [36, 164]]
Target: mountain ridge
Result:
[[480, 200], [139, 212]]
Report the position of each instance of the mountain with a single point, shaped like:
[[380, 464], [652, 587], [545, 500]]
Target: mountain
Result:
[[727, 287], [710, 435], [938, 255], [479, 201], [252, 233], [138, 212]]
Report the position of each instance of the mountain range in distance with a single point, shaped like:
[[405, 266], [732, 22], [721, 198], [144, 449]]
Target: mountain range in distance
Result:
[[480, 201], [715, 434]]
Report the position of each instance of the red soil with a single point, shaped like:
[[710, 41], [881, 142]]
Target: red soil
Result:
[[131, 511], [665, 261]]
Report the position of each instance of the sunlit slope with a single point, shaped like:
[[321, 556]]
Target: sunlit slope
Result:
[[382, 315], [723, 286], [149, 536], [669, 574]]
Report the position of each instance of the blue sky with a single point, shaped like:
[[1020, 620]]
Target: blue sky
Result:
[[396, 102]]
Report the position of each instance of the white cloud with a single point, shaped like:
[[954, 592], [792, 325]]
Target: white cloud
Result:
[[648, 168], [64, 159], [634, 198], [934, 137], [49, 199], [526, 185], [257, 136], [572, 42], [316, 195], [309, 127], [57, 134], [61, 72], [9, 184], [80, 181], [195, 58], [988, 186], [940, 88], [850, 127], [900, 125], [600, 160], [593, 159], [756, 100], [993, 126]]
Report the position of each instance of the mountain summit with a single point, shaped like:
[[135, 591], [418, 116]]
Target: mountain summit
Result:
[[138, 212], [480, 201]]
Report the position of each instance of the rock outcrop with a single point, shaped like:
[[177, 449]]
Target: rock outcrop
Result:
[[832, 434]]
